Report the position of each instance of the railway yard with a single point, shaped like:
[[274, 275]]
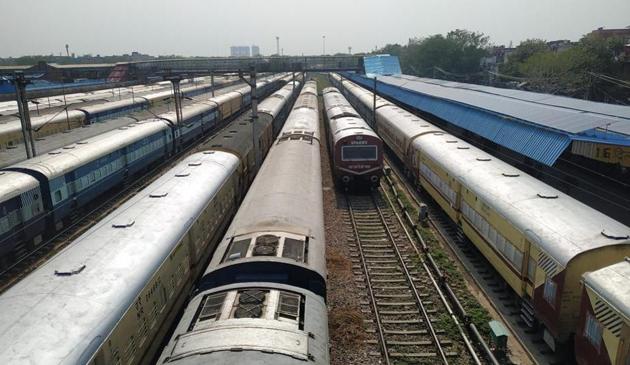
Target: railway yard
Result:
[[302, 218]]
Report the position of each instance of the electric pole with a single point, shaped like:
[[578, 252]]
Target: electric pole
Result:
[[324, 45], [277, 45], [25, 118]]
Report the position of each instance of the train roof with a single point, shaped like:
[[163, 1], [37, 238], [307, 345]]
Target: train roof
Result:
[[60, 161], [365, 96], [269, 340], [336, 104], [350, 126], [274, 103], [61, 312], [14, 126], [560, 225], [100, 108], [611, 283], [14, 183], [190, 111], [58, 140]]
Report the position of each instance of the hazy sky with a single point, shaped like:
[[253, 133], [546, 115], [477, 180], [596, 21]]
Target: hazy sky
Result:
[[210, 27]]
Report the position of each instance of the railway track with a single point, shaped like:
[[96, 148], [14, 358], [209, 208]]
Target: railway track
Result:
[[86, 218], [472, 260], [410, 316]]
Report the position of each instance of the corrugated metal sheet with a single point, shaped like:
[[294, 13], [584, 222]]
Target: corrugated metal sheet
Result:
[[381, 65], [552, 111], [541, 144]]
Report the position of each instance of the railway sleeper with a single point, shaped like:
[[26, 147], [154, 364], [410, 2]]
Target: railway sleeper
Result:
[[418, 343], [379, 295], [421, 354], [397, 304]]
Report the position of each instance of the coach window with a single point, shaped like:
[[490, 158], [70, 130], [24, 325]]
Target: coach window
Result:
[[237, 250], [550, 292], [593, 330], [358, 153], [294, 249], [289, 306], [212, 305]]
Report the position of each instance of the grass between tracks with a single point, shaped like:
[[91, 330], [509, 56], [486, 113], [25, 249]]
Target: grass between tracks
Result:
[[478, 314]]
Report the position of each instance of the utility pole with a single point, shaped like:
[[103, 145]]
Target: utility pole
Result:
[[212, 83], [175, 80], [25, 118], [278, 45], [252, 84], [374, 104], [324, 45]]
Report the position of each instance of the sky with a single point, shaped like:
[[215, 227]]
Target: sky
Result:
[[210, 27]]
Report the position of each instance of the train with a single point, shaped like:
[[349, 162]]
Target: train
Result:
[[537, 238], [52, 123], [112, 294], [356, 152], [603, 333], [40, 196], [10, 108], [261, 299]]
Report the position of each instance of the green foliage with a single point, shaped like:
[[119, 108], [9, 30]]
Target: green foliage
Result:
[[569, 71], [459, 52]]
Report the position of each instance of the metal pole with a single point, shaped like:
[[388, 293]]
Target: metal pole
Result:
[[22, 82], [252, 80], [65, 106], [178, 103], [212, 83], [374, 104], [19, 89]]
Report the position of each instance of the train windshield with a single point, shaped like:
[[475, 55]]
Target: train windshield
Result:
[[358, 153]]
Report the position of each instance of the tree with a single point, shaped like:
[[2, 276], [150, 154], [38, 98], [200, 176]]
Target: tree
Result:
[[459, 52], [523, 51]]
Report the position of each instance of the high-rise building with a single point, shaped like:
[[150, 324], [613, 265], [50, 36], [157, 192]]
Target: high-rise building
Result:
[[255, 51], [239, 51]]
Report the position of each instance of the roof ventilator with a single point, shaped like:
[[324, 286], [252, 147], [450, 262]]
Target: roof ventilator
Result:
[[124, 223], [71, 272], [250, 304], [614, 236], [266, 245]]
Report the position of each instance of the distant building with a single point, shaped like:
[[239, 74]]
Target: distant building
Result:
[[560, 45], [255, 51], [239, 51], [496, 56], [137, 56], [609, 33]]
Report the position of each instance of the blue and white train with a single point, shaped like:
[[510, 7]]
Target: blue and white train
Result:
[[40, 196]]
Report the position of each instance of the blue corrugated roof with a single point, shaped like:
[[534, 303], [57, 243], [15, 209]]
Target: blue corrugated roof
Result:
[[381, 65], [539, 130]]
